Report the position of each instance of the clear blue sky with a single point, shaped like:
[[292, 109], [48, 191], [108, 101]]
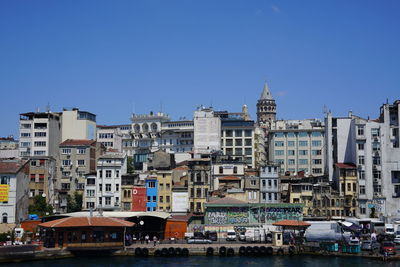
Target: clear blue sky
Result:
[[103, 56]]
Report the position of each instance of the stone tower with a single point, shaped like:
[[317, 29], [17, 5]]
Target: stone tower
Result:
[[266, 108]]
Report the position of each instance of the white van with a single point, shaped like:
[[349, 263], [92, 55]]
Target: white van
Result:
[[230, 235], [389, 229]]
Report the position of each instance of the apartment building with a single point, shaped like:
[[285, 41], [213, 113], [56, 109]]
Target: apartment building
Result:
[[270, 191], [177, 136], [298, 145], [77, 124], [40, 134], [164, 178], [110, 136], [207, 131], [14, 184], [76, 158], [199, 183], [110, 168]]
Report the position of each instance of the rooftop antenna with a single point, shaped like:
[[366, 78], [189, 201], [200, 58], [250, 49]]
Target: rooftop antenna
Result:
[[48, 107], [325, 110]]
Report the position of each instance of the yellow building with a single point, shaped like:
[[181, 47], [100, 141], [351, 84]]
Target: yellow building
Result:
[[347, 183], [164, 179]]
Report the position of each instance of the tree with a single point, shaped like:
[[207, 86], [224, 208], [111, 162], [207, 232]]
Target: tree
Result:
[[40, 206], [74, 202], [130, 165]]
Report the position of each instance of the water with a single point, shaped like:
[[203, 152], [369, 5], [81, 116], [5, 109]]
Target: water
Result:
[[275, 261]]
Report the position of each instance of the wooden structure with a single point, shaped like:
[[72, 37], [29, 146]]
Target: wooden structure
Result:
[[85, 233]]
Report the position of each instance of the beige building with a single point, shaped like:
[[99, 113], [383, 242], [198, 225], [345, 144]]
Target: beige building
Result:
[[76, 158], [78, 124], [199, 183], [164, 178], [42, 178]]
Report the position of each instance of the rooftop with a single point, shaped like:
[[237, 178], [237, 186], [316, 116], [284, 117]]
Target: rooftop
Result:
[[78, 142], [87, 222], [11, 166]]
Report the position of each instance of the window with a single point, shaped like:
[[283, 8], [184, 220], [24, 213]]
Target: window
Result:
[[317, 161], [361, 175], [90, 181], [40, 143], [167, 186], [235, 169], [360, 130], [228, 142], [168, 199], [375, 132], [238, 151], [117, 187], [151, 184], [154, 198], [4, 218], [117, 173], [108, 173], [317, 170], [238, 133], [90, 193], [253, 182], [303, 143], [39, 152], [161, 199], [108, 187], [66, 151], [279, 135], [31, 192], [291, 162], [238, 142], [108, 201], [303, 161], [269, 183], [360, 146], [377, 188], [25, 134], [247, 151], [198, 192], [100, 187], [376, 146], [66, 162], [264, 183], [40, 134], [82, 151], [316, 143], [303, 152], [279, 153], [290, 143], [303, 134], [279, 143], [376, 160], [33, 177], [316, 134], [247, 133], [316, 152], [81, 162], [247, 142], [290, 134], [377, 174], [228, 133], [361, 160], [279, 162]]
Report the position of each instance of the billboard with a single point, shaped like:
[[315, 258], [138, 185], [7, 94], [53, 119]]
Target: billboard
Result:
[[139, 198], [4, 188], [180, 201]]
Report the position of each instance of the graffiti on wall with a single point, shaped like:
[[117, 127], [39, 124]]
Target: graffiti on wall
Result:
[[274, 214], [231, 215]]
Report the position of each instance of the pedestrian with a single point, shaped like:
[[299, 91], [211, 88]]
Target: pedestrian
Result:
[[155, 240], [147, 238]]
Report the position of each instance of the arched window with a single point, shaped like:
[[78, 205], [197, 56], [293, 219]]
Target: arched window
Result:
[[125, 194], [129, 193], [4, 218], [198, 177]]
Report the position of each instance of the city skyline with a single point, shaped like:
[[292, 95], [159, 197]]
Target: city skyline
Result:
[[113, 60]]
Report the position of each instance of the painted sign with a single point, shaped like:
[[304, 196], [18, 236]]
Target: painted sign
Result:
[[229, 215], [274, 214], [139, 198], [180, 201], [4, 188]]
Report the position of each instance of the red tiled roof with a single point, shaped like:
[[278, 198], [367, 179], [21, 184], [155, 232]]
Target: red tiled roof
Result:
[[229, 178], [77, 142], [11, 166], [87, 222], [226, 200], [291, 223], [345, 165]]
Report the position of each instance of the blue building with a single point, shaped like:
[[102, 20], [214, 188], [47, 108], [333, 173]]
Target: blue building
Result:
[[152, 193]]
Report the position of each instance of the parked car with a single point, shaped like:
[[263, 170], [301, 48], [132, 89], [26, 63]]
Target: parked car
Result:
[[353, 241], [199, 241], [212, 235], [370, 245], [242, 236], [231, 235], [388, 247], [397, 240]]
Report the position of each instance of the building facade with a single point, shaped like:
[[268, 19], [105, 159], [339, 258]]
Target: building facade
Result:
[[78, 124], [270, 191]]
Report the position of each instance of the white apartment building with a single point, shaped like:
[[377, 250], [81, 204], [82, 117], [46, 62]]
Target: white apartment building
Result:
[[110, 136], [78, 124], [110, 167], [270, 184], [297, 145], [177, 136], [373, 145], [207, 131], [40, 134], [89, 196]]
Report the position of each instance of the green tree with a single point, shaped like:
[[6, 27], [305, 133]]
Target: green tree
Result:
[[130, 165], [74, 202], [40, 206]]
